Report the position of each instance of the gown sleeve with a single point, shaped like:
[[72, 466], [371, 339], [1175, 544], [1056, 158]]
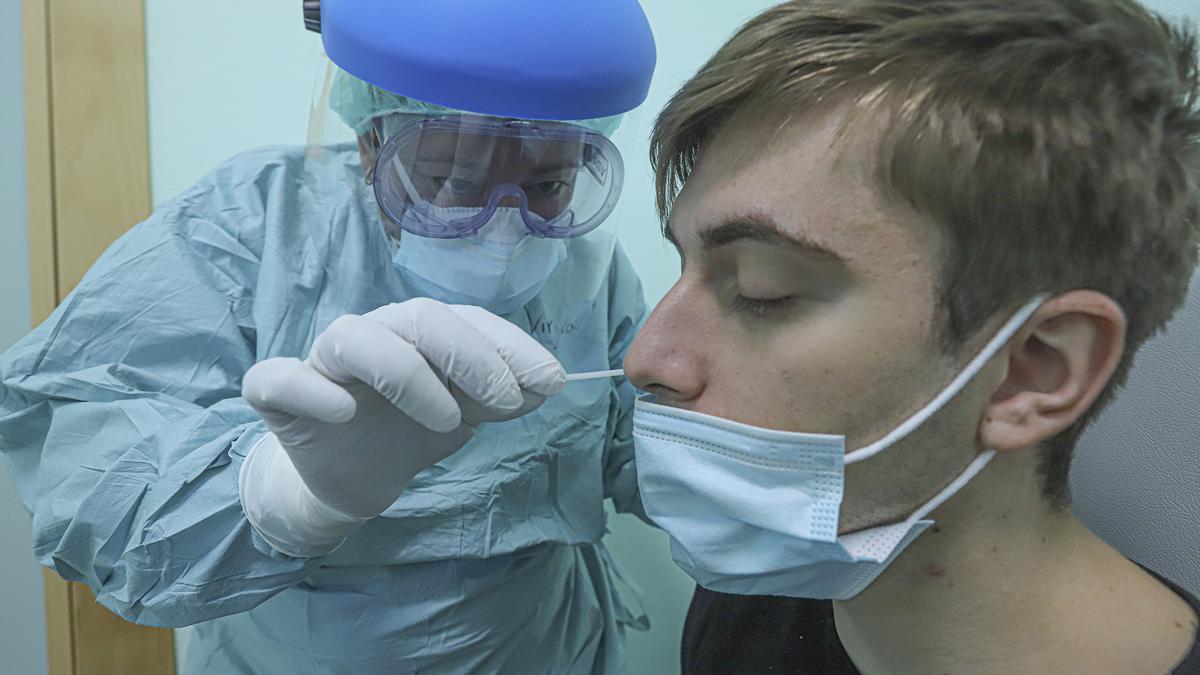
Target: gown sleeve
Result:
[[122, 422]]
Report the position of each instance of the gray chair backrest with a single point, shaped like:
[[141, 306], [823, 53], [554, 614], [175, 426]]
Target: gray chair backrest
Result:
[[1136, 477]]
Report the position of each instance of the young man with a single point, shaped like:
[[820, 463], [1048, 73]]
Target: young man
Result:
[[931, 236]]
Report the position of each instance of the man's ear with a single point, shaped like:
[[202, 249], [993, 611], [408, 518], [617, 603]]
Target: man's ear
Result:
[[368, 152], [1058, 364]]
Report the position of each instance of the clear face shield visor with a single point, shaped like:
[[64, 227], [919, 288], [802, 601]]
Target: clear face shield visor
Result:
[[456, 206]]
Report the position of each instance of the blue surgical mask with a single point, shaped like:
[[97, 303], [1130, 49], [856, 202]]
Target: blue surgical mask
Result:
[[500, 269], [754, 511]]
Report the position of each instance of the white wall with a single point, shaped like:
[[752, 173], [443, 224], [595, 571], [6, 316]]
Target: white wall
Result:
[[220, 85], [22, 618]]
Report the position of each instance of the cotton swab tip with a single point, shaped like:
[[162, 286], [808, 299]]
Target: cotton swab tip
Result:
[[594, 375]]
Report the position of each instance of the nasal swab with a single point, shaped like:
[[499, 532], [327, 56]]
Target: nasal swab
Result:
[[595, 375]]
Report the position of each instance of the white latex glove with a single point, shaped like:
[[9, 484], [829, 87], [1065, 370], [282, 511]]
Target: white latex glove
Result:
[[380, 398]]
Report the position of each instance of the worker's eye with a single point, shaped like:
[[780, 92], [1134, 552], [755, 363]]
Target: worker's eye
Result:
[[454, 185], [547, 189]]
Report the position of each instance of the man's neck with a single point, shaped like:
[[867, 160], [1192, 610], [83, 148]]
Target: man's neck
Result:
[[1005, 584]]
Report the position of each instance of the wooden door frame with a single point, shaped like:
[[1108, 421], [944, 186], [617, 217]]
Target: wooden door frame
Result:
[[88, 177]]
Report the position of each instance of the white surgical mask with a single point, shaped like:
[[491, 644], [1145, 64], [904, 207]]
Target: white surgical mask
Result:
[[500, 269], [755, 511]]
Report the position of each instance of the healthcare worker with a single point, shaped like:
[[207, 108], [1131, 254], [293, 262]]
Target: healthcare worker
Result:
[[316, 405]]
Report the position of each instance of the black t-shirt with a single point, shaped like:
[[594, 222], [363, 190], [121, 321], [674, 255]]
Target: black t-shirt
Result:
[[750, 634]]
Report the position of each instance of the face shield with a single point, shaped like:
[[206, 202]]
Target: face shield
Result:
[[473, 209]]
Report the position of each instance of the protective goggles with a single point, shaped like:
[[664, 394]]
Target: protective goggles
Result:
[[445, 177]]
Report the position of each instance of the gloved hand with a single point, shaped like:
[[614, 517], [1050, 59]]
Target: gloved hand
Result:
[[380, 398]]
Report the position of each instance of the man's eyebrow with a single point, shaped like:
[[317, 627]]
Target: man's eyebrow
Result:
[[758, 227]]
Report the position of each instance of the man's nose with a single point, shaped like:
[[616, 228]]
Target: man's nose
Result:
[[667, 358]]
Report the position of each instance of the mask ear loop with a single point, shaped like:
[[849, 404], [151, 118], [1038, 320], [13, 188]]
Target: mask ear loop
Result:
[[956, 385], [957, 484]]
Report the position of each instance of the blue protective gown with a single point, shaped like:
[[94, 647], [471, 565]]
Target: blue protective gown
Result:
[[121, 420]]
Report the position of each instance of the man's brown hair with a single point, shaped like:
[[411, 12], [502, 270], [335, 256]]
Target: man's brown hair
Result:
[[1054, 142]]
